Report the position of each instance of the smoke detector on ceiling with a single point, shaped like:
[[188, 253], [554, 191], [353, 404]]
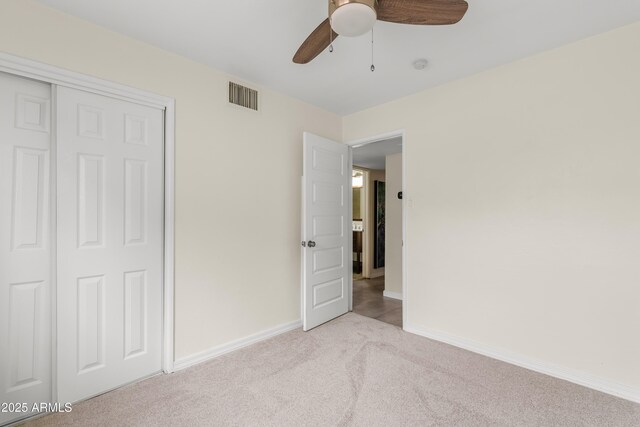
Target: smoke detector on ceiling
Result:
[[420, 64]]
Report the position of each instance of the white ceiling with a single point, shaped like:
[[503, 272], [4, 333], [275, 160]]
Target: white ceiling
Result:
[[372, 156], [256, 39]]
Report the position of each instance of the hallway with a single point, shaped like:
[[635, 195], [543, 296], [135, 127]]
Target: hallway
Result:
[[369, 301]]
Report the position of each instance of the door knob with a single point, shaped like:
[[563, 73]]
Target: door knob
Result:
[[311, 244]]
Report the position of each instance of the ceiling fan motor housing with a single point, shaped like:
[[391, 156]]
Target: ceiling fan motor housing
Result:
[[351, 18]]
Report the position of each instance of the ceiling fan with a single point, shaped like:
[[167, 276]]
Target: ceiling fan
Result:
[[352, 18]]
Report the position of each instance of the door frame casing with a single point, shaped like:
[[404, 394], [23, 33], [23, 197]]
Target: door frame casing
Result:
[[370, 140], [365, 202], [56, 76]]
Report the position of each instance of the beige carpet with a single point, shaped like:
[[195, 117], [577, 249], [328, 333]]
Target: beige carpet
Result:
[[352, 371]]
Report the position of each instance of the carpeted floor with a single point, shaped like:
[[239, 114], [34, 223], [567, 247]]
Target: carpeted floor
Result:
[[352, 371]]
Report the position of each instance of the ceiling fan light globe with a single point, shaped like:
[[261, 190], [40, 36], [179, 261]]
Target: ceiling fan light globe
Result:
[[353, 19]]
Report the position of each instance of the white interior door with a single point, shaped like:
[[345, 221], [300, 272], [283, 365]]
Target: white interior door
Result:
[[110, 237], [326, 229], [25, 245]]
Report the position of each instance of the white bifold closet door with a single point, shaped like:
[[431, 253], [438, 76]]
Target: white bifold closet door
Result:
[[25, 244], [109, 242]]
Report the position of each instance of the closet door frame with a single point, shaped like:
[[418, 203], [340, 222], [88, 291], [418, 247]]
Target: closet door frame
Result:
[[60, 77]]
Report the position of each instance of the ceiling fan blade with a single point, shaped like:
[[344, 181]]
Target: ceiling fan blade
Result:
[[422, 12], [317, 41]]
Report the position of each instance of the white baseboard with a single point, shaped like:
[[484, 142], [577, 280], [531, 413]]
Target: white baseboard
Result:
[[211, 353], [394, 295], [581, 378]]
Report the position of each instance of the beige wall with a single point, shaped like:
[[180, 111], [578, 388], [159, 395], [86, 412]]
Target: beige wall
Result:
[[523, 206], [358, 205], [237, 272], [393, 225]]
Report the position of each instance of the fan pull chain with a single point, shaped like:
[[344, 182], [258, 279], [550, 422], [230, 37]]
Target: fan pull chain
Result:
[[373, 67]]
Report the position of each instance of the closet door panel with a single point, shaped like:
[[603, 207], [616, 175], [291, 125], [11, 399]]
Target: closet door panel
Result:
[[110, 239], [25, 244]]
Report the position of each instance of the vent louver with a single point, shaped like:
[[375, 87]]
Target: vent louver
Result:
[[243, 96]]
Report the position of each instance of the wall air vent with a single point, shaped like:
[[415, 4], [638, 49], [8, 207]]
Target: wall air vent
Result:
[[243, 96]]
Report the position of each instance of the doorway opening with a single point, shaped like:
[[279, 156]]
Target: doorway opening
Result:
[[359, 211], [377, 185]]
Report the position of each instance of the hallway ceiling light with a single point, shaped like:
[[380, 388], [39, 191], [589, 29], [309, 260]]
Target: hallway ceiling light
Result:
[[357, 180]]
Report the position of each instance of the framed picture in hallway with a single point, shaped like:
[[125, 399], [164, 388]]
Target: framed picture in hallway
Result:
[[378, 237]]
